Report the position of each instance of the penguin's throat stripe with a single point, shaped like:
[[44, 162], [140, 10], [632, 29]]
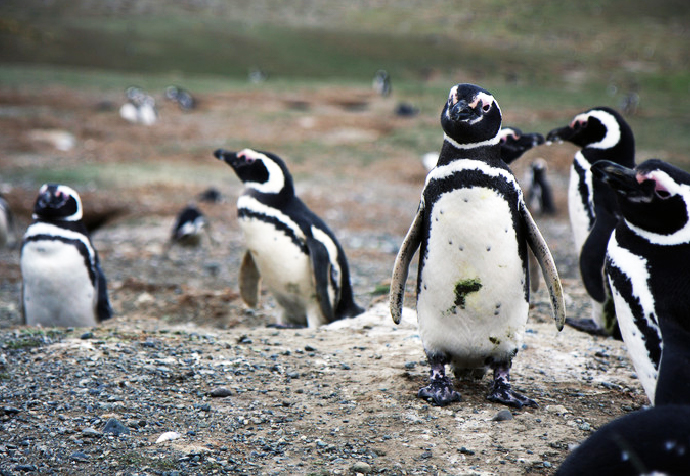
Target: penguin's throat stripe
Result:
[[474, 145], [83, 248]]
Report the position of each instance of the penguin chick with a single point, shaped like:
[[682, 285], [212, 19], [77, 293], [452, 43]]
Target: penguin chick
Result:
[[472, 229], [288, 246], [602, 134], [62, 280]]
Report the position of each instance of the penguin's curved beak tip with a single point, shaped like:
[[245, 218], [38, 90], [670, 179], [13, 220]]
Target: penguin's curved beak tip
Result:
[[219, 154]]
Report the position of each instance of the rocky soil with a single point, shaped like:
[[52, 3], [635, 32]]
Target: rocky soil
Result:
[[185, 380]]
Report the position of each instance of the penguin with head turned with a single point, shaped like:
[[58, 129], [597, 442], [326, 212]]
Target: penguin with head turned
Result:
[[473, 230], [62, 281], [646, 266], [602, 134], [289, 247]]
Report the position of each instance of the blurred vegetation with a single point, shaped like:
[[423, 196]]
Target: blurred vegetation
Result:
[[559, 56]]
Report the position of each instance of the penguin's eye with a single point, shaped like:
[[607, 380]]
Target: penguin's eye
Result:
[[486, 107], [662, 194]]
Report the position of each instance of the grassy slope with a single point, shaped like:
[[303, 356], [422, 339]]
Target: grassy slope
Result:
[[536, 54]]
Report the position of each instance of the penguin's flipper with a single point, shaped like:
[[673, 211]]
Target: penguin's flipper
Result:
[[533, 272], [103, 309], [548, 267], [402, 264], [250, 280], [322, 271]]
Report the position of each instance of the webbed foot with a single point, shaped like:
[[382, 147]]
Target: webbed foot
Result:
[[440, 391], [501, 392]]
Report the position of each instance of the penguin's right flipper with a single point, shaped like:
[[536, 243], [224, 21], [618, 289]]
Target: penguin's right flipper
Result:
[[250, 280], [321, 268], [103, 309], [402, 264], [548, 267]]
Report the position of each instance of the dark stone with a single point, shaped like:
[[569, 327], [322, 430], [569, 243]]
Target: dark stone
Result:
[[220, 392], [115, 427]]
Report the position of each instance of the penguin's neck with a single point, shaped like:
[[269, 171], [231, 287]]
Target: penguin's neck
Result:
[[451, 151]]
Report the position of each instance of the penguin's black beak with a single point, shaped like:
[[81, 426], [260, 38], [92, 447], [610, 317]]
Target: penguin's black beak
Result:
[[560, 134], [623, 180], [219, 154], [462, 111], [227, 156]]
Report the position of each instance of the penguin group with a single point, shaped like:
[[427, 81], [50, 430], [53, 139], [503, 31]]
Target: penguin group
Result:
[[474, 232]]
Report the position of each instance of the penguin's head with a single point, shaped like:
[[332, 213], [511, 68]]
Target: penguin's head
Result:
[[514, 142], [598, 128], [471, 115], [260, 171], [654, 198], [57, 202], [189, 225]]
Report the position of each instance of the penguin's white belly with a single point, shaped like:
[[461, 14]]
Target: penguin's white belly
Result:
[[635, 268], [471, 303], [57, 289], [285, 269], [579, 219]]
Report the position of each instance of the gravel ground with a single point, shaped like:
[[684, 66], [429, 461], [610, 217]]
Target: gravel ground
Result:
[[185, 380]]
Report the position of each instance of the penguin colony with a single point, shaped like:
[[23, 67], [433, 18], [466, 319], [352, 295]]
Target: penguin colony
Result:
[[631, 225]]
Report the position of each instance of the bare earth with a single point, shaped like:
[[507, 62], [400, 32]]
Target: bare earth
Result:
[[184, 355]]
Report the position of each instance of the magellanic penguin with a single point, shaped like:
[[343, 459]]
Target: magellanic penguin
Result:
[[62, 281], [7, 224], [514, 143], [540, 196], [647, 268], [472, 229], [602, 134], [288, 246], [189, 227]]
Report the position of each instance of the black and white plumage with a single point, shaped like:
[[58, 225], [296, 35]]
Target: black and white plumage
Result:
[[7, 224], [647, 442], [473, 230], [140, 107], [181, 96], [62, 280], [288, 246], [540, 195], [646, 265], [514, 143], [190, 224], [602, 134]]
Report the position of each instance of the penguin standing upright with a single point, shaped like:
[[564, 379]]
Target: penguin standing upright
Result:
[[62, 280], [473, 229], [288, 246], [7, 237], [540, 195], [646, 265], [189, 227], [602, 134]]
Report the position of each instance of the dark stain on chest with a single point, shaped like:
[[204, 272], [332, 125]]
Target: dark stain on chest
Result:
[[463, 288]]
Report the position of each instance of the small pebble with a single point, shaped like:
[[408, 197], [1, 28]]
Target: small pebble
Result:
[[79, 456], [115, 427], [87, 335], [503, 415], [91, 432], [361, 467]]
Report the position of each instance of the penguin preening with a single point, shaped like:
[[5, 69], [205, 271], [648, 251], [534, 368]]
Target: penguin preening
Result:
[[514, 143], [602, 134], [62, 280], [472, 229], [646, 266], [289, 248]]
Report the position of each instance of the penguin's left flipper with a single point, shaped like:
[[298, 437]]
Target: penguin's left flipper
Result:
[[250, 280], [103, 309], [548, 267], [402, 264], [321, 268]]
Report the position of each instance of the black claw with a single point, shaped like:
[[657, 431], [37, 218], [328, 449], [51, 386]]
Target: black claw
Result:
[[502, 393], [440, 391]]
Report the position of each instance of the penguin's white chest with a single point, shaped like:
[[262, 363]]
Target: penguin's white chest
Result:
[[285, 267], [471, 301], [57, 289], [635, 269]]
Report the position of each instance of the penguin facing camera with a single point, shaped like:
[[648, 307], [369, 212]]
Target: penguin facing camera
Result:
[[190, 225], [473, 282], [602, 134], [289, 248], [62, 281]]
